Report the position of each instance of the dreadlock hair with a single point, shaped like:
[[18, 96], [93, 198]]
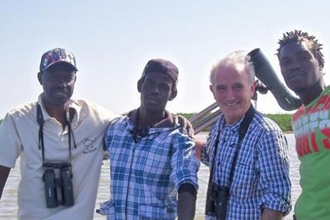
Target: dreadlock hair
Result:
[[299, 36]]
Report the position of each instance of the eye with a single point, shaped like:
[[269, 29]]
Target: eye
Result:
[[220, 88], [165, 87], [69, 78], [285, 62], [304, 58], [238, 86], [50, 76], [148, 83]]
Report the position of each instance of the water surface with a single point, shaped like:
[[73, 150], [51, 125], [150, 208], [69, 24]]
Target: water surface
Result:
[[8, 206]]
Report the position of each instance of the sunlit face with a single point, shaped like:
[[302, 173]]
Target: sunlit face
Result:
[[58, 84], [299, 67], [156, 90], [233, 91]]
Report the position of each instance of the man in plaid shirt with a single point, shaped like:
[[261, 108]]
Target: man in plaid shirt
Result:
[[152, 161], [251, 173]]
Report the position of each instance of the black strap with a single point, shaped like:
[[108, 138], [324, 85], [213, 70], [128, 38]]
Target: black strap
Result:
[[41, 121], [242, 131]]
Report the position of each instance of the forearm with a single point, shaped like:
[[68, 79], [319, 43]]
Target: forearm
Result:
[[186, 202], [269, 214], [4, 173], [275, 175], [199, 144]]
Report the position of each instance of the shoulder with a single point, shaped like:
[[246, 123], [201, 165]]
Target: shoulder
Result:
[[93, 109], [216, 127], [85, 104], [118, 125], [327, 90], [265, 133], [264, 123], [23, 110], [118, 121], [23, 114]]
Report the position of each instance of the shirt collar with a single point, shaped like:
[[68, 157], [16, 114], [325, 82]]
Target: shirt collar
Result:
[[73, 104]]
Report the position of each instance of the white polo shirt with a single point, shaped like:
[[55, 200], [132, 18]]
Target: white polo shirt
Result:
[[19, 137]]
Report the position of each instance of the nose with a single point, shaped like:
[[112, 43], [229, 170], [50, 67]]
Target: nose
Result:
[[61, 82], [155, 90], [295, 65], [230, 95]]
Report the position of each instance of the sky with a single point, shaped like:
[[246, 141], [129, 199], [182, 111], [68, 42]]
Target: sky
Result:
[[114, 39]]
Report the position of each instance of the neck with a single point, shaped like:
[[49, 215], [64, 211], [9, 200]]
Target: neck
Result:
[[149, 119], [307, 96], [57, 112]]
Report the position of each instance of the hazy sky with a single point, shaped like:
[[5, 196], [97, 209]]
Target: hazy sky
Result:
[[114, 39]]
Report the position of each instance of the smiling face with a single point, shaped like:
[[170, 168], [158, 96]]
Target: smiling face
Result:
[[58, 84], [232, 89]]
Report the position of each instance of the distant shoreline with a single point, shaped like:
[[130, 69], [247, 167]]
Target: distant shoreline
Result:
[[283, 120]]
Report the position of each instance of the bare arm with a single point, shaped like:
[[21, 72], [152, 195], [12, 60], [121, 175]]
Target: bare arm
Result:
[[4, 173], [187, 202], [269, 214], [199, 143]]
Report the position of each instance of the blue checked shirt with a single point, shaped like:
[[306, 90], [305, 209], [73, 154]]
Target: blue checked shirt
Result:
[[147, 171], [261, 176]]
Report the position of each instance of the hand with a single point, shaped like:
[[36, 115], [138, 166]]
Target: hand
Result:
[[186, 125], [260, 87]]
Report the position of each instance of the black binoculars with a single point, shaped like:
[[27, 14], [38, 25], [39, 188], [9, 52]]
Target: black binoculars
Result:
[[58, 184], [216, 201]]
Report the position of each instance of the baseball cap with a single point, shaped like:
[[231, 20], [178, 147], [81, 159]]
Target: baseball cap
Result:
[[162, 66], [57, 55]]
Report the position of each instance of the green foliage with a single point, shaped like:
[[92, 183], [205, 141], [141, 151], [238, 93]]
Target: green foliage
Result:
[[283, 120], [186, 115]]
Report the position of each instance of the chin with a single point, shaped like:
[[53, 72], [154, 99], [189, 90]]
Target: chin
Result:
[[61, 102], [298, 89], [232, 117]]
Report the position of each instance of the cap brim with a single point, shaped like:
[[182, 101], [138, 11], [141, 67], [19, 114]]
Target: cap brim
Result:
[[60, 61]]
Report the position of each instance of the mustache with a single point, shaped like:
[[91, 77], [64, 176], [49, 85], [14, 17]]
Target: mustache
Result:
[[295, 73]]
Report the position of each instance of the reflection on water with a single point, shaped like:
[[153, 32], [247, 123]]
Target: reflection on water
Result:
[[8, 206]]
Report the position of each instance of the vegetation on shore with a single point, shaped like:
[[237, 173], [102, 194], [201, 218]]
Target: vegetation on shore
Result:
[[283, 120]]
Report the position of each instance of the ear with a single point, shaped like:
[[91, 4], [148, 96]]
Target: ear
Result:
[[139, 85], [253, 88], [174, 93], [212, 90], [39, 75]]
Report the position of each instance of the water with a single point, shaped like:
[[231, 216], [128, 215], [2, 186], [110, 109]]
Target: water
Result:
[[8, 205]]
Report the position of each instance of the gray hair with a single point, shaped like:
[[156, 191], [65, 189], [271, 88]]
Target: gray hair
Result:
[[238, 60]]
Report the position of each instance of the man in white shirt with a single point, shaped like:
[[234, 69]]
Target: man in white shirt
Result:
[[58, 136]]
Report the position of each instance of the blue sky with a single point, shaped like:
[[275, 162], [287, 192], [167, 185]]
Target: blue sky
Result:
[[114, 39]]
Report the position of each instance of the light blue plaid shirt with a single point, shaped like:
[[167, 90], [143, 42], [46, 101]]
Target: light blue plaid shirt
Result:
[[261, 176], [146, 173]]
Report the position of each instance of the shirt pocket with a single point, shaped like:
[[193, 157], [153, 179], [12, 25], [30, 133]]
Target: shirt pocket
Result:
[[244, 176]]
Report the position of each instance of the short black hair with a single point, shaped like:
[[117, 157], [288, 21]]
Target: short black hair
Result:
[[299, 36]]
